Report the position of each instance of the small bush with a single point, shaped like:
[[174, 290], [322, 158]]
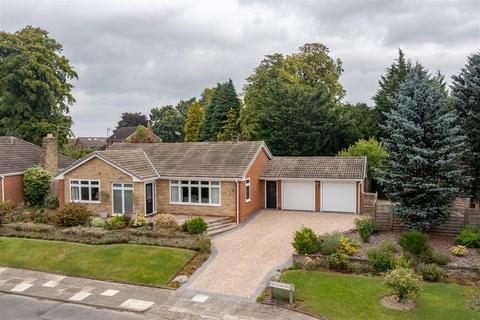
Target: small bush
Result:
[[84, 232], [402, 261], [17, 214], [439, 258], [139, 221], [5, 207], [458, 250], [431, 272], [469, 237], [404, 283], [73, 214], [347, 246], [389, 246], [33, 227], [127, 219], [97, 222], [329, 243], [381, 259], [115, 223], [414, 242], [36, 185], [195, 225], [305, 241], [355, 267], [165, 221], [337, 261], [50, 202], [203, 244], [366, 228], [39, 217]]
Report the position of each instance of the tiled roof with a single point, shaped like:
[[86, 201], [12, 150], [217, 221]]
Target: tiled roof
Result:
[[197, 159], [121, 134], [91, 142], [16, 155], [316, 168], [134, 161]]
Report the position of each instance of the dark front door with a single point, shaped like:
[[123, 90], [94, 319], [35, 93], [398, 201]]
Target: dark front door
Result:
[[271, 194], [149, 198]]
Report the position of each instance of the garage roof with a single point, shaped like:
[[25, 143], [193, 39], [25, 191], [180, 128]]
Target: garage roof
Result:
[[353, 168]]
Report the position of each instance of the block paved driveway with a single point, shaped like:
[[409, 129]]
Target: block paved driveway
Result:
[[246, 257]]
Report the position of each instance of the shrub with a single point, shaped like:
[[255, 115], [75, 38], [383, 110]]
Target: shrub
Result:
[[5, 207], [404, 283], [355, 267], [389, 246], [115, 223], [195, 225], [366, 228], [414, 242], [439, 258], [402, 261], [73, 214], [139, 221], [458, 250], [381, 259], [347, 246], [329, 243], [469, 237], [50, 202], [39, 217], [431, 272], [165, 221], [305, 241], [36, 184], [127, 218], [97, 222], [337, 261], [203, 244]]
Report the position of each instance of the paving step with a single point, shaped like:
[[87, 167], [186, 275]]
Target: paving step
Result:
[[216, 222], [222, 229], [219, 226]]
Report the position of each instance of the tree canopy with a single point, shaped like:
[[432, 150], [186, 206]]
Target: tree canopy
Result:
[[372, 149], [194, 122], [424, 145], [167, 123], [35, 88], [132, 119]]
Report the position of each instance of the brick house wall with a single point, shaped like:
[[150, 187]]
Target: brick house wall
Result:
[[13, 189], [96, 169], [227, 199]]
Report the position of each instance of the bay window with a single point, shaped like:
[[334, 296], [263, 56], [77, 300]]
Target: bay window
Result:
[[195, 192], [86, 191]]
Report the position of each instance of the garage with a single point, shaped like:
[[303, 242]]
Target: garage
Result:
[[299, 195], [338, 196]]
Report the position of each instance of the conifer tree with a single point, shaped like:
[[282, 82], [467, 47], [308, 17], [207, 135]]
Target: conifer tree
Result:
[[425, 145], [194, 122], [466, 102], [230, 127]]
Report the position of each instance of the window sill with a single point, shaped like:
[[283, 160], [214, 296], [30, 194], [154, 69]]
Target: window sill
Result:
[[87, 202], [196, 204], [248, 200]]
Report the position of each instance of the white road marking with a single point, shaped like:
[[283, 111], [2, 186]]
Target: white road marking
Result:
[[55, 281], [21, 287], [200, 298], [2, 269], [109, 293], [137, 305], [79, 296]]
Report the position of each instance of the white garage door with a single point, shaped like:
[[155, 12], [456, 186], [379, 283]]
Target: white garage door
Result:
[[339, 196], [299, 195]]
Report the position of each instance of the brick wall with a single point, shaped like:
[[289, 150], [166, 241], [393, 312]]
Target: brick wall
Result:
[[227, 208], [97, 169], [13, 189]]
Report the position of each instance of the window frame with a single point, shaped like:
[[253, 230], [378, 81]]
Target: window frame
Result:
[[89, 186], [248, 190], [123, 188], [199, 185]]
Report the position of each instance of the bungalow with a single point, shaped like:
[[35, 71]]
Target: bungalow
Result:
[[228, 179]]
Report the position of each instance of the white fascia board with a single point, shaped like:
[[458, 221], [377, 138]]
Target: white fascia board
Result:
[[12, 174], [311, 179], [197, 178], [263, 146]]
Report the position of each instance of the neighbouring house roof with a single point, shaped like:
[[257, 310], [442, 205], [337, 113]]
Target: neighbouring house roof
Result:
[[90, 142], [121, 134], [17, 155], [227, 160], [316, 168]]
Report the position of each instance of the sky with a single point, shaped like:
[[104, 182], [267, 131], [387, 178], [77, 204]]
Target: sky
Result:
[[131, 56]]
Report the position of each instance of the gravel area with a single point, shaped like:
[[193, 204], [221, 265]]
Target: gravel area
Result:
[[247, 254]]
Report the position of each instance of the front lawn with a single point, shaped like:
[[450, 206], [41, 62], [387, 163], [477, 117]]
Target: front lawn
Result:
[[339, 296], [130, 263]]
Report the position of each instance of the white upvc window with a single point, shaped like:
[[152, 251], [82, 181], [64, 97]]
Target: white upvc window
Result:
[[195, 192], [84, 191], [247, 190], [122, 198]]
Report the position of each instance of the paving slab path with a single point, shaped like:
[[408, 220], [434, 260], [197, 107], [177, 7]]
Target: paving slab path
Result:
[[244, 259]]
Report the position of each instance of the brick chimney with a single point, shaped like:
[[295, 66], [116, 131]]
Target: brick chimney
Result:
[[49, 154]]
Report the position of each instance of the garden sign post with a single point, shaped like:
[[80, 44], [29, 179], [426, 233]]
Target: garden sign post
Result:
[[283, 286]]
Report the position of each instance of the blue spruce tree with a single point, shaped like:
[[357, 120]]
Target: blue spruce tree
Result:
[[425, 146]]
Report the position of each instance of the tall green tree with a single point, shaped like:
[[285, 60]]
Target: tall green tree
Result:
[[424, 144], [229, 130], [35, 88], [389, 88], [194, 122], [167, 123], [363, 118], [466, 102], [132, 119], [183, 106], [224, 98]]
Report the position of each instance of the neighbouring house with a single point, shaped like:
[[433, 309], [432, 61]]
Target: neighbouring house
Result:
[[89, 143], [228, 179], [17, 155], [122, 134]]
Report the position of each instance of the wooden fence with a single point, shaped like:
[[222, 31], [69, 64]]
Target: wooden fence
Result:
[[460, 216]]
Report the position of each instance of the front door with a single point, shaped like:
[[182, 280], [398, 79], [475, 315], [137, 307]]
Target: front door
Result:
[[149, 198], [271, 194]]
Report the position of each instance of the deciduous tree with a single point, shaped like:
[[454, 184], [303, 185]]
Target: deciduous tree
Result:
[[167, 123], [132, 119]]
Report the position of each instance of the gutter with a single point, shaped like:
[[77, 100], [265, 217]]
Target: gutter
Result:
[[238, 203]]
